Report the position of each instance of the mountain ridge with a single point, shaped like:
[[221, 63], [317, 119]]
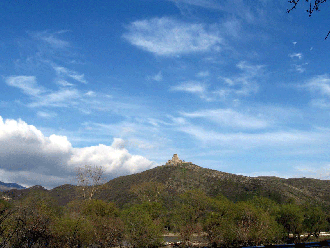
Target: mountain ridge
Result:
[[187, 176], [8, 186]]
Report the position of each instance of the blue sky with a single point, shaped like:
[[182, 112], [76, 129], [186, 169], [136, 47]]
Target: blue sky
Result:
[[238, 86]]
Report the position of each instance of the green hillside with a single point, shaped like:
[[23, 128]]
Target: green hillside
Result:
[[186, 176]]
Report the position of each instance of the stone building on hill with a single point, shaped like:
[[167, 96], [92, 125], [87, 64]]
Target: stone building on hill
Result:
[[175, 161]]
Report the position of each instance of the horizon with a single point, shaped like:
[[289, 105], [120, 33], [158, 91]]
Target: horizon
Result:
[[236, 86], [76, 184]]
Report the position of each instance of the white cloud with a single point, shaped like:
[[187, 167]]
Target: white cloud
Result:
[[44, 114], [24, 147], [167, 36], [28, 84], [61, 98], [252, 140], [158, 77], [115, 159], [64, 72], [64, 83], [319, 84], [203, 74], [320, 103], [236, 86], [90, 93], [190, 87], [51, 39], [25, 152], [230, 118], [209, 4], [299, 68], [193, 87], [296, 55]]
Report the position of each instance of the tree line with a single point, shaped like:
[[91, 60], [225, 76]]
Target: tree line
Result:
[[38, 221]]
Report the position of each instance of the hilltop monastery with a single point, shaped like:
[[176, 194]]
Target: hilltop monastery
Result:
[[175, 161]]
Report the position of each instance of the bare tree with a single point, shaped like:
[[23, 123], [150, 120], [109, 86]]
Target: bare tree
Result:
[[89, 178], [313, 5]]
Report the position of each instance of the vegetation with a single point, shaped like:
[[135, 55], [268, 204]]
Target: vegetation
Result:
[[220, 209]]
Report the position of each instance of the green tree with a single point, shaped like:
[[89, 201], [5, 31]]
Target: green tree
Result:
[[5, 212], [107, 225], [72, 231], [314, 220], [291, 217], [149, 191], [254, 226], [142, 229], [189, 213], [29, 225]]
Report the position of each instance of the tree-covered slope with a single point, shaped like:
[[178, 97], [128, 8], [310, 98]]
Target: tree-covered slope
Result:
[[183, 177]]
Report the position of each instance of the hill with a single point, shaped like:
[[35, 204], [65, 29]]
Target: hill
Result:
[[187, 176], [8, 186], [176, 179]]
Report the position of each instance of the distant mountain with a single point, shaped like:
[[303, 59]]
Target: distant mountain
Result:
[[8, 186], [181, 177]]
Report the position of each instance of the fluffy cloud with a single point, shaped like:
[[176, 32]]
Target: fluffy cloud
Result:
[[167, 37], [28, 157], [115, 159]]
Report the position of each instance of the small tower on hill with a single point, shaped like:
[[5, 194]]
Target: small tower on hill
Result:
[[174, 161]]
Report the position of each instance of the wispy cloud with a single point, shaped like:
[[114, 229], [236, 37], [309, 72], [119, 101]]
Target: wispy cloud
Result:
[[230, 118], [297, 63], [296, 55], [209, 4], [319, 87], [319, 84], [46, 115], [90, 93], [167, 37], [51, 39], [278, 139], [60, 98], [193, 87], [158, 77], [41, 96], [244, 84], [65, 72], [28, 84], [203, 74]]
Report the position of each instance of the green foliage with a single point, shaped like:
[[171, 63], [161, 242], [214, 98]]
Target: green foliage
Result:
[[72, 231], [29, 225], [141, 229], [291, 217], [149, 191], [314, 220], [219, 229], [99, 208], [103, 216], [265, 204], [254, 226], [229, 210]]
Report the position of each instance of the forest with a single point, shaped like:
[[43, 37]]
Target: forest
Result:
[[37, 220]]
